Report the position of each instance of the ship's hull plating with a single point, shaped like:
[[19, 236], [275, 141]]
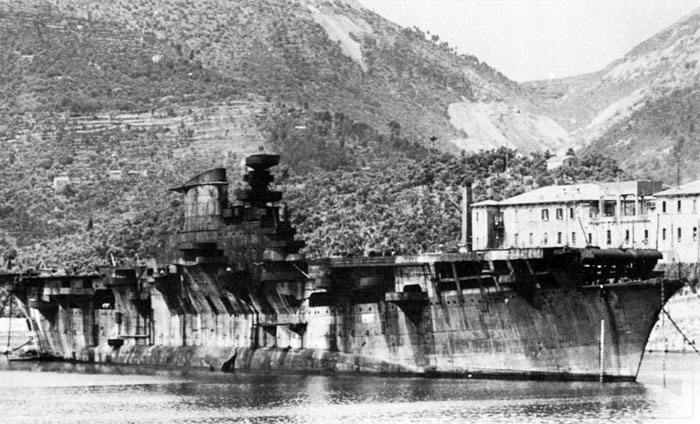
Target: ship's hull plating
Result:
[[492, 333]]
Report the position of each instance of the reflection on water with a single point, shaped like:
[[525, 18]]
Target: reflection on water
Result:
[[65, 393]]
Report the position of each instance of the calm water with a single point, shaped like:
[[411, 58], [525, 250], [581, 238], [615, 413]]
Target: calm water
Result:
[[64, 393]]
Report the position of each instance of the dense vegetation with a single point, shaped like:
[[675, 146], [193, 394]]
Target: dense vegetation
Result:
[[355, 191]]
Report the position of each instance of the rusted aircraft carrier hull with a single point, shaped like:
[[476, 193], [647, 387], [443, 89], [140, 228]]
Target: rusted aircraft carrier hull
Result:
[[556, 334], [552, 334]]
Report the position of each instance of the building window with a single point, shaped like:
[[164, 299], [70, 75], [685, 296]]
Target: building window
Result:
[[679, 205], [515, 239], [695, 233], [559, 237], [646, 236], [679, 234], [544, 239], [695, 205], [571, 213], [516, 215], [560, 213], [590, 238], [609, 208], [593, 210], [608, 237], [627, 236], [573, 238], [663, 234], [531, 239], [663, 207], [545, 214], [476, 216]]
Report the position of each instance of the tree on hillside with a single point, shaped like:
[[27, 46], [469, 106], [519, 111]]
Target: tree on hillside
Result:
[[394, 131], [677, 154]]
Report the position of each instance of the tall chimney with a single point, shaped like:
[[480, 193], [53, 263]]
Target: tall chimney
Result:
[[465, 244]]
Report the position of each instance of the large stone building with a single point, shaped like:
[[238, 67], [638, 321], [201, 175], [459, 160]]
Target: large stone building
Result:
[[677, 216], [608, 215]]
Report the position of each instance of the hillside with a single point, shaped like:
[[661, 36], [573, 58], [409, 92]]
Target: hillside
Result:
[[329, 55], [351, 189], [638, 107], [111, 103]]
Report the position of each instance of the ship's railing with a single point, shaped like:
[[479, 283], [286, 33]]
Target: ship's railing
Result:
[[402, 261]]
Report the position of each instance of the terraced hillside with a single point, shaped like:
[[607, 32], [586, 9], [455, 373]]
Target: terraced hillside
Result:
[[224, 128], [328, 55], [103, 179]]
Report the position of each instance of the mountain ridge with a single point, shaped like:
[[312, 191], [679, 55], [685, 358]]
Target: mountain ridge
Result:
[[611, 111], [337, 56]]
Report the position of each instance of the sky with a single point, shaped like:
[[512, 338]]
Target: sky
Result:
[[539, 39]]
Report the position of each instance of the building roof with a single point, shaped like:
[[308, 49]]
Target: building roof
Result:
[[488, 202], [576, 193], [556, 194], [686, 189]]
